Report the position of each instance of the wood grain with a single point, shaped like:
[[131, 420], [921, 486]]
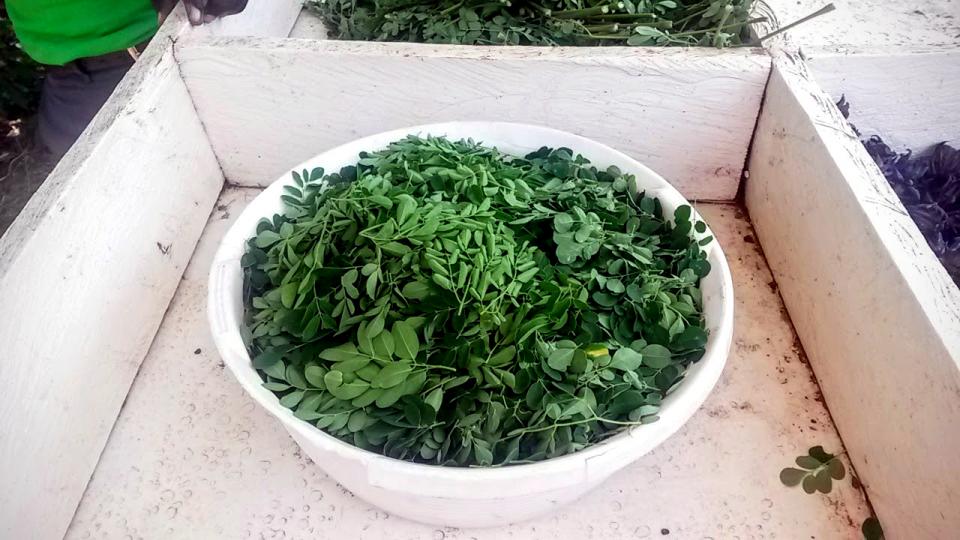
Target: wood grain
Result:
[[859, 23], [876, 312], [909, 99], [86, 274], [688, 114]]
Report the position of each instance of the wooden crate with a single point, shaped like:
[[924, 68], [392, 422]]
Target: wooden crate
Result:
[[206, 119], [877, 313]]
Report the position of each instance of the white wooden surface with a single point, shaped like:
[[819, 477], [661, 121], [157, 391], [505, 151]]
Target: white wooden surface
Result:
[[308, 26], [857, 23], [911, 100], [86, 274], [193, 457], [688, 114], [877, 313]]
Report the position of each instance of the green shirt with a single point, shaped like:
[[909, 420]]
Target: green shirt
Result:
[[58, 31]]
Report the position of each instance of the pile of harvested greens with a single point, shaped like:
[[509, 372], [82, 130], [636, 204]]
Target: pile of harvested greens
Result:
[[446, 303], [928, 185], [715, 23]]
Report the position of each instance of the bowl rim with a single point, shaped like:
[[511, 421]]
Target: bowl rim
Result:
[[717, 348]]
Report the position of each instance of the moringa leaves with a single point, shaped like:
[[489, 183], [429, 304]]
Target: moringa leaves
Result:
[[817, 471], [443, 302], [563, 22]]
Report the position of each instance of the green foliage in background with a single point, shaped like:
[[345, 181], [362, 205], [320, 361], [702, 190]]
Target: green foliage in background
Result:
[[715, 23], [20, 76]]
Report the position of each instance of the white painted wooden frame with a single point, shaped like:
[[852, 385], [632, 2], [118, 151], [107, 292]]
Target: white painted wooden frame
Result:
[[909, 97], [877, 314], [87, 271], [311, 95]]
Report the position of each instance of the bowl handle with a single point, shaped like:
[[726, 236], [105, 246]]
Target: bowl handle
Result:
[[223, 305]]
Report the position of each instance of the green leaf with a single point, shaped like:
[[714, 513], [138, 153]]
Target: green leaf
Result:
[[290, 400], [434, 398], [625, 402], [314, 375], [809, 484], [503, 356], [382, 200], [418, 413], [276, 386], [343, 353], [371, 286], [692, 337], [656, 356], [368, 397], [288, 294], [267, 238], [405, 340], [391, 396], [358, 420], [818, 453], [391, 375], [605, 299], [871, 529], [383, 346], [615, 285], [333, 379], [395, 248], [352, 364], [823, 482], [415, 290], [808, 462], [836, 468], [267, 358], [277, 370], [375, 328], [791, 477], [626, 359], [562, 222], [560, 359], [348, 391]]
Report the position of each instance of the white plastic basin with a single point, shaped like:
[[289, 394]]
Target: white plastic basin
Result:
[[470, 497]]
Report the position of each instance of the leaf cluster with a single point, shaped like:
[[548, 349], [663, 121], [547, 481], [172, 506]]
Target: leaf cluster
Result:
[[446, 303], [817, 471], [716, 23], [928, 185]]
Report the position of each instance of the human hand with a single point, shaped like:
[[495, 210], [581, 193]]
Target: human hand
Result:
[[204, 11]]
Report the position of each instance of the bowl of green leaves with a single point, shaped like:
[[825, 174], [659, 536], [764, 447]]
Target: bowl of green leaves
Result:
[[473, 323]]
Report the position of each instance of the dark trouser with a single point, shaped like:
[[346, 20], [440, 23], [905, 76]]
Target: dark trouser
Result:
[[73, 93]]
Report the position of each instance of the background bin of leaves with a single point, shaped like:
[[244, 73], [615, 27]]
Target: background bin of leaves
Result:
[[712, 23]]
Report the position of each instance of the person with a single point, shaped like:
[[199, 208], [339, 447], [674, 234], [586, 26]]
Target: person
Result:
[[87, 47]]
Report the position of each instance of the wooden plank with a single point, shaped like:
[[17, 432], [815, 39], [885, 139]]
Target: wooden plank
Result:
[[309, 25], [910, 100], [192, 456], [876, 312], [86, 274], [688, 114], [858, 23]]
